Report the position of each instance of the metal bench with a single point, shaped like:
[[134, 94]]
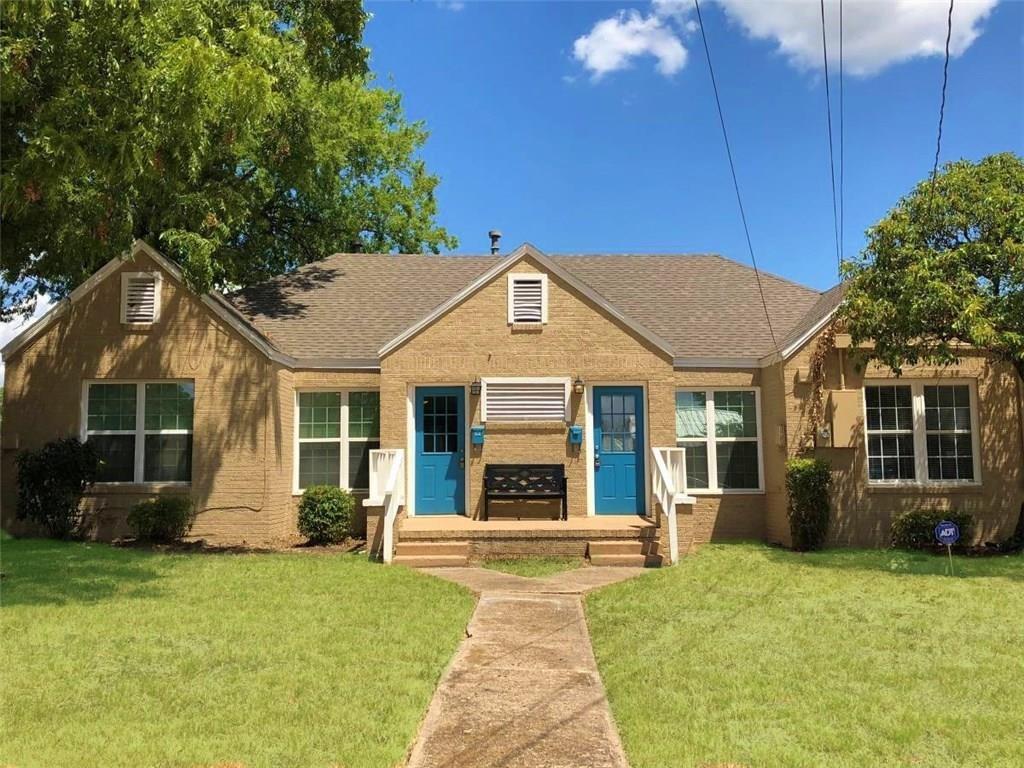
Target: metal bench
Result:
[[520, 482]]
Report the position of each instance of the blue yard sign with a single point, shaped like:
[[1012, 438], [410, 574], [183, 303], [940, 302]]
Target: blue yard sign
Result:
[[947, 532]]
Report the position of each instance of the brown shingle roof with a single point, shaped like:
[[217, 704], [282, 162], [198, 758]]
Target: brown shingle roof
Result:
[[348, 306]]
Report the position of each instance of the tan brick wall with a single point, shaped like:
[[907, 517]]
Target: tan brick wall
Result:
[[862, 514], [236, 465]]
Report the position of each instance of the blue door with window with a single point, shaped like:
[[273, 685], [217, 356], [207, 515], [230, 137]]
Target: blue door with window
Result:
[[440, 451], [619, 451]]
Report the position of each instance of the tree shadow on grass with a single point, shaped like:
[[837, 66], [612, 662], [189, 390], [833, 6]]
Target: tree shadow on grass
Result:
[[902, 563], [42, 572]]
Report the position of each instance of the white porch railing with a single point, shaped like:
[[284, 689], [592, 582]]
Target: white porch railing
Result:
[[387, 489], [669, 488]]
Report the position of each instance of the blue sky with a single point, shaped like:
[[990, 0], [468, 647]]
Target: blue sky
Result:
[[612, 144]]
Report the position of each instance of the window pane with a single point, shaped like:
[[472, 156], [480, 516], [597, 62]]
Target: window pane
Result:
[[364, 414], [737, 465], [947, 408], [169, 405], [696, 464], [319, 415], [891, 457], [319, 464], [950, 457], [691, 415], [735, 414], [889, 408], [168, 458], [111, 407], [359, 463], [117, 457]]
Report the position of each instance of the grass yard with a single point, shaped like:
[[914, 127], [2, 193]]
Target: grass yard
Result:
[[744, 655], [534, 567], [114, 657]]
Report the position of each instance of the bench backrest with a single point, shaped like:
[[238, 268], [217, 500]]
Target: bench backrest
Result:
[[525, 479]]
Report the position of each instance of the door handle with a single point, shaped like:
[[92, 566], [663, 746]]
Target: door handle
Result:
[[462, 460]]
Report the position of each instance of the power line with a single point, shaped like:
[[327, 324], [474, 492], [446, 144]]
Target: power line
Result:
[[732, 168], [842, 144], [831, 156], [942, 104]]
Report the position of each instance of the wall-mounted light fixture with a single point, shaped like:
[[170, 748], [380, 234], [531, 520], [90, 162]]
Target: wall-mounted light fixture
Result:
[[577, 386], [474, 388]]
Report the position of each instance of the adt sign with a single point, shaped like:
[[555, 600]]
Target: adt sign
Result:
[[947, 532]]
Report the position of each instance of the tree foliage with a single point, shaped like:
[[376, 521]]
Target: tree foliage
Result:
[[243, 137], [945, 268]]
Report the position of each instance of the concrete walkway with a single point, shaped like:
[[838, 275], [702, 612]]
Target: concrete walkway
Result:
[[523, 690]]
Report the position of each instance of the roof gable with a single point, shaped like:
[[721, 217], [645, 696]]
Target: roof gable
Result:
[[216, 303], [524, 251]]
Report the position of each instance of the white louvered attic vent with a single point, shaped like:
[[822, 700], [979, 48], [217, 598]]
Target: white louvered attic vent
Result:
[[525, 399], [140, 297], [527, 299]]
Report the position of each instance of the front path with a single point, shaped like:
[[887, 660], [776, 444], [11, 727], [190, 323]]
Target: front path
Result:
[[523, 690]]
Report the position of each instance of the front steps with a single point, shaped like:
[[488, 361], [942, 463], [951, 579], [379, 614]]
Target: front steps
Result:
[[625, 552], [432, 554]]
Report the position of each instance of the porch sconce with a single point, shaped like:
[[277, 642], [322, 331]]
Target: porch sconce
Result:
[[577, 386], [474, 388]]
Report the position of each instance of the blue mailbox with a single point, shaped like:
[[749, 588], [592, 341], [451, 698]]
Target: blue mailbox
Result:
[[575, 434], [476, 434]]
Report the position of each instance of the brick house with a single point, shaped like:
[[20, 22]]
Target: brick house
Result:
[[654, 384]]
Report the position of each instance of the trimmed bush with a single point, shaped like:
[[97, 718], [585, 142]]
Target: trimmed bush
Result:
[[326, 514], [51, 482], [163, 519], [916, 529], [807, 483]]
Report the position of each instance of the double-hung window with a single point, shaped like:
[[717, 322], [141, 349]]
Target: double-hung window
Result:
[[336, 432], [720, 432], [141, 431], [921, 432]]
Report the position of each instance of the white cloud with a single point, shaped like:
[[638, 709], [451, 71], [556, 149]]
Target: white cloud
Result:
[[612, 44], [451, 5], [13, 327], [876, 33]]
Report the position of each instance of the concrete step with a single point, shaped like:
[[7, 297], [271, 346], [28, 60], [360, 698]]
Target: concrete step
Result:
[[432, 561], [634, 560], [430, 548], [623, 547]]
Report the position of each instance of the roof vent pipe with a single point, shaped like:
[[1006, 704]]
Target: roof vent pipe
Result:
[[495, 236]]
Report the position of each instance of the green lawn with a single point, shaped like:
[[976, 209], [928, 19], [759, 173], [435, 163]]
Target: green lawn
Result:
[[743, 655], [533, 567], [114, 657]]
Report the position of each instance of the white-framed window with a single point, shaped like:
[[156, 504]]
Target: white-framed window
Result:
[[141, 430], [720, 431], [140, 297], [921, 431], [524, 399], [335, 430], [527, 299]]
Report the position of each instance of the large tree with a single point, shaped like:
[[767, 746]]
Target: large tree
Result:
[[243, 137], [945, 268]]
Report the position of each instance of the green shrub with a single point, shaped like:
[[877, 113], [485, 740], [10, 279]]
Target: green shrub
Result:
[[916, 529], [163, 519], [807, 483], [51, 482], [326, 514]]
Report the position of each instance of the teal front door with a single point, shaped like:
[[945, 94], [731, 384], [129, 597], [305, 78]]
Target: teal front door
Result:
[[619, 450], [440, 451]]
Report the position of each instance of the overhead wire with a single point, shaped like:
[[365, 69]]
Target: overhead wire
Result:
[[831, 152], [732, 169]]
